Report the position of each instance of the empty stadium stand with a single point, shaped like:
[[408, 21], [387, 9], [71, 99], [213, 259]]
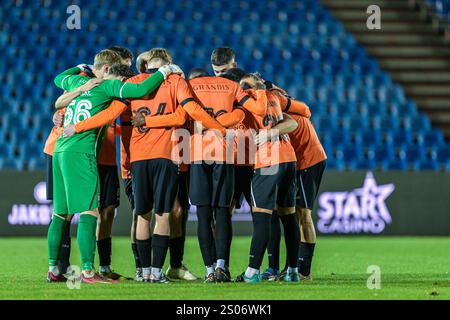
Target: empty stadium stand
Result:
[[365, 118]]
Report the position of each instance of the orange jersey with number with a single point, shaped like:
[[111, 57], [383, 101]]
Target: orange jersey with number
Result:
[[276, 151], [55, 132], [306, 144], [151, 143]]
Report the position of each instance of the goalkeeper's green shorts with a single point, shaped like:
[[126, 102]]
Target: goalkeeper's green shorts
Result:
[[76, 185]]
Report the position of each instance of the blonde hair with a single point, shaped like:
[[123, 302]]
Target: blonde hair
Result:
[[106, 57], [159, 53]]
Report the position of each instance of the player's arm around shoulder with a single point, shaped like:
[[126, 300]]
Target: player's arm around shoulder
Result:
[[130, 90], [69, 79], [291, 105], [103, 118], [66, 98], [255, 103], [152, 83], [175, 119], [232, 118]]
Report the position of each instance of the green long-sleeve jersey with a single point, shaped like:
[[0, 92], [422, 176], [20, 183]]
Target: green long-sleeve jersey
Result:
[[92, 102]]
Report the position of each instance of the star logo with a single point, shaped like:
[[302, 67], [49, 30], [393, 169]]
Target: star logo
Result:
[[373, 196], [362, 210]]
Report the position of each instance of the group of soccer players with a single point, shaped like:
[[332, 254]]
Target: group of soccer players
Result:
[[208, 141]]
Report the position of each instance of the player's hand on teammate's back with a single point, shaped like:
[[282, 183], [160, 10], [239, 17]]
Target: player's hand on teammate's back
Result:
[[92, 83], [68, 131], [169, 69], [138, 120], [263, 136], [58, 119]]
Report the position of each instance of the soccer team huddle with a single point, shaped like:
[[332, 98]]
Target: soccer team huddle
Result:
[[201, 140]]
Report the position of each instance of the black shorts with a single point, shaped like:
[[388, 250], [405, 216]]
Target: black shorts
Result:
[[243, 184], [109, 186], [49, 177], [308, 183], [274, 185], [211, 184], [183, 189], [155, 185], [128, 185]]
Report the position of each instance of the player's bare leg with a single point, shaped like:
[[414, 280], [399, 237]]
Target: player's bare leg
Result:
[[144, 244], [292, 239], [160, 246], [307, 242], [104, 231], [177, 221]]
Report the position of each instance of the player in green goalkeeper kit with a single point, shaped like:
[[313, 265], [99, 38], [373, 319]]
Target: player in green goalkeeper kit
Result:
[[75, 176]]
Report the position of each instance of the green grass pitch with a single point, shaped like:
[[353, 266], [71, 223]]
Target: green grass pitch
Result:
[[411, 268]]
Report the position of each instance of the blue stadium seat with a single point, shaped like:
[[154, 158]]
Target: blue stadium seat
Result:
[[37, 162], [371, 137], [384, 152], [433, 138], [402, 138], [430, 165], [414, 154], [398, 164], [443, 153], [14, 164]]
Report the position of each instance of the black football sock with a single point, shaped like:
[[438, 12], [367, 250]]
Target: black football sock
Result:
[[160, 245], [260, 238], [64, 251], [104, 251], [176, 246], [291, 238], [205, 236], [273, 247], [230, 239], [144, 248], [183, 242], [213, 250], [222, 233], [306, 252], [137, 260]]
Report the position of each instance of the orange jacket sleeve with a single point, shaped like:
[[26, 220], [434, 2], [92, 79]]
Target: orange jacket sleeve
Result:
[[176, 119], [230, 119], [104, 117], [185, 98], [293, 106], [258, 106], [298, 107]]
